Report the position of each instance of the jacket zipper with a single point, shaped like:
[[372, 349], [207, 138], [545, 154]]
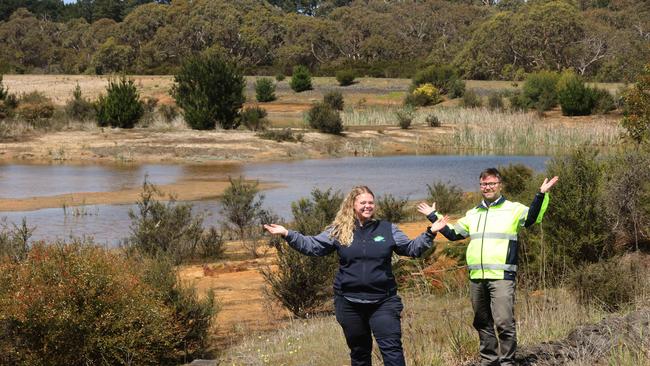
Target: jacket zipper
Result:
[[482, 239]]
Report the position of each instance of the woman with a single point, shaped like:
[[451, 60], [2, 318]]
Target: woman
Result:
[[366, 300]]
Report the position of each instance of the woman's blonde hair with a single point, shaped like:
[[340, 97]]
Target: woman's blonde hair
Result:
[[342, 227]]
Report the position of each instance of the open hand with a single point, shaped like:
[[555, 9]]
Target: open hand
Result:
[[439, 224], [276, 229], [425, 209], [548, 184]]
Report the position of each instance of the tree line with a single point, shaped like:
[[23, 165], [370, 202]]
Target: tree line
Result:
[[604, 40]]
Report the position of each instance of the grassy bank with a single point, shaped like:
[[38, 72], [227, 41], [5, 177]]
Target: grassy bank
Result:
[[436, 331]]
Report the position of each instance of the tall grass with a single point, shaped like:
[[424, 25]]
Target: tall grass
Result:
[[436, 330], [522, 133]]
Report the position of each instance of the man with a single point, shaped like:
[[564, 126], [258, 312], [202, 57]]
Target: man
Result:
[[492, 227]]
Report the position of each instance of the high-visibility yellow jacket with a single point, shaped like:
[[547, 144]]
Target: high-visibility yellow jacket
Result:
[[492, 252]]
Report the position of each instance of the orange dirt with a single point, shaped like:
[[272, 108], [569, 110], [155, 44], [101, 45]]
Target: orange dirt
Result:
[[238, 286]]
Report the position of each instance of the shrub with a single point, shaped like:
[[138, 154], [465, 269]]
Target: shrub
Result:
[[495, 101], [457, 89], [576, 224], [241, 208], [539, 90], [636, 110], [433, 121], [3, 90], [607, 284], [628, 198], [574, 97], [300, 79], [448, 197], [254, 118], [603, 101], [170, 229], [518, 101], [264, 90], [285, 134], [334, 99], [169, 112], [210, 90], [325, 119], [471, 99], [391, 208], [14, 241], [424, 95], [442, 77], [78, 107], [515, 178], [279, 77], [345, 77], [303, 284], [34, 106], [405, 117], [121, 107], [87, 305]]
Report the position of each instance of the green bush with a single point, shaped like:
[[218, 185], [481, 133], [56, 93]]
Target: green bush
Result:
[[300, 79], [334, 99], [345, 77], [241, 207], [442, 77], [405, 117], [279, 77], [471, 99], [574, 97], [264, 90], [74, 304], [539, 90], [210, 90], [448, 197], [170, 229], [495, 101], [636, 109], [515, 178], [285, 134], [576, 225], [254, 118], [121, 107], [433, 121], [303, 284], [78, 107], [34, 106], [603, 101], [324, 118], [391, 208], [607, 284], [457, 89], [517, 101]]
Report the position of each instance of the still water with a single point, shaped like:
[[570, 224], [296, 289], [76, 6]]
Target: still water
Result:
[[402, 176]]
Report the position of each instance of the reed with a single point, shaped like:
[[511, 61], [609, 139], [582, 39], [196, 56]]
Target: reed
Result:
[[506, 132]]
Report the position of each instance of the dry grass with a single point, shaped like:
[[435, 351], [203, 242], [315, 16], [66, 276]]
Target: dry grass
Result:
[[436, 331]]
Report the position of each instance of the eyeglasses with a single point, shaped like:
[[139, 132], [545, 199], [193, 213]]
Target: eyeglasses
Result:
[[488, 184]]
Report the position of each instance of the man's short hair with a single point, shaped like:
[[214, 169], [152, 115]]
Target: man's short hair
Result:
[[490, 172]]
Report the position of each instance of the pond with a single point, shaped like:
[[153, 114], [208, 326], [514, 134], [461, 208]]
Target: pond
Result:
[[402, 176]]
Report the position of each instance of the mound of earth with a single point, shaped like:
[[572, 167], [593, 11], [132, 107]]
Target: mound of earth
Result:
[[590, 343]]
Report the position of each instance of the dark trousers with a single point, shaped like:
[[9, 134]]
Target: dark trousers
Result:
[[493, 302], [361, 321]]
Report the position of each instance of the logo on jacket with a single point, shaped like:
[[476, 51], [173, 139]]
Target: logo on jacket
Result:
[[379, 238]]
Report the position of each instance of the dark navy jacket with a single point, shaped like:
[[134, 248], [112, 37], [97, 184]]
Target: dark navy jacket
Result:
[[365, 270]]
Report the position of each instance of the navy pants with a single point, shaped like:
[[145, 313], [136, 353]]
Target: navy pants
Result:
[[361, 321]]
